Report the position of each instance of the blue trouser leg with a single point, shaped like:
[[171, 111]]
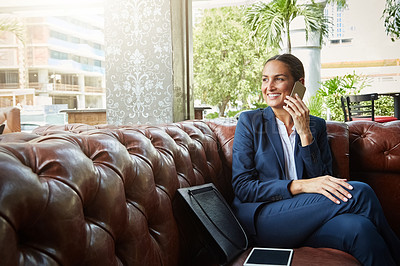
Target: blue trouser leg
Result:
[[356, 235], [289, 223]]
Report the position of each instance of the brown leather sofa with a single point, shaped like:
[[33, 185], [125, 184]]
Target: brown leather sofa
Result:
[[10, 116], [105, 195]]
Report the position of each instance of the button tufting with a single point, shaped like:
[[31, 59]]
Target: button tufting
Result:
[[386, 153]]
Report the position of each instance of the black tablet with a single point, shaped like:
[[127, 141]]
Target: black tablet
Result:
[[269, 256]]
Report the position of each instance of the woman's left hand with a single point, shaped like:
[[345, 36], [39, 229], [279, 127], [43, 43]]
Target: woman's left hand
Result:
[[331, 187], [301, 118]]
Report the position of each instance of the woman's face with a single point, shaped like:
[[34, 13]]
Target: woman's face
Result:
[[277, 83]]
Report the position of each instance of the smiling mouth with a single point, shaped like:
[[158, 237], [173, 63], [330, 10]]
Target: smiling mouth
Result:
[[273, 95]]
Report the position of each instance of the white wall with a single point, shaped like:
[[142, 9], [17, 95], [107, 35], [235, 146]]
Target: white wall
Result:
[[371, 51]]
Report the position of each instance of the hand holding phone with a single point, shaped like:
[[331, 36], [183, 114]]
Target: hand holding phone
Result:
[[300, 114], [299, 89]]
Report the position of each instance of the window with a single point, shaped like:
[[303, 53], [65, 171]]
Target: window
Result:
[[33, 77], [340, 41], [75, 39], [58, 35], [70, 79], [58, 55], [97, 63], [96, 46], [8, 77], [76, 58], [84, 60], [385, 79]]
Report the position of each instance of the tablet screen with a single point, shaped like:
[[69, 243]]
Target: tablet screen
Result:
[[269, 256]]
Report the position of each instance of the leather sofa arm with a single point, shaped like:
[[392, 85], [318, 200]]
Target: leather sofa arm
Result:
[[375, 160], [11, 117]]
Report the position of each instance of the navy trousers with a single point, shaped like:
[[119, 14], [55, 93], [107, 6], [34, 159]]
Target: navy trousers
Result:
[[357, 227]]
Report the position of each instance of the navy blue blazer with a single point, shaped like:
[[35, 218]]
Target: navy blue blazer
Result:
[[258, 175]]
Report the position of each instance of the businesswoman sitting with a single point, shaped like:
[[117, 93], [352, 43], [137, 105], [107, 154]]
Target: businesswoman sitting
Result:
[[285, 195]]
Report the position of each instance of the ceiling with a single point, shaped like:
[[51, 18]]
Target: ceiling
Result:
[[52, 7], [85, 7]]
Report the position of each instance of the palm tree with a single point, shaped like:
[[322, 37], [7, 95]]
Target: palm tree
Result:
[[11, 24], [268, 21], [391, 14]]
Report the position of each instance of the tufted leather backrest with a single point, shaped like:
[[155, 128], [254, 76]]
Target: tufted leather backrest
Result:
[[375, 159], [224, 131], [338, 138], [101, 197]]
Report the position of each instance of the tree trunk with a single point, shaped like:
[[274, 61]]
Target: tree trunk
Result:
[[23, 74], [289, 43], [21, 65], [222, 107]]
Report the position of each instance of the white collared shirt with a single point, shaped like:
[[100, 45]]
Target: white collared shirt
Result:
[[288, 144]]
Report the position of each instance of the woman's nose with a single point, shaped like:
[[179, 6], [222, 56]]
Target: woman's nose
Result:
[[269, 85]]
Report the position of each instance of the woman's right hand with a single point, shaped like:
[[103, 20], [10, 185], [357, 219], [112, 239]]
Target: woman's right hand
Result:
[[331, 187]]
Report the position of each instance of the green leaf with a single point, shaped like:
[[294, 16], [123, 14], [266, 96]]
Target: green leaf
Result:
[[227, 63], [391, 15], [12, 24]]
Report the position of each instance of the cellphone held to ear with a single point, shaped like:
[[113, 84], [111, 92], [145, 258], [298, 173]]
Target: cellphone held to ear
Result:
[[299, 89]]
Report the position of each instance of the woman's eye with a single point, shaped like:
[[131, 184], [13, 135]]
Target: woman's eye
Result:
[[265, 79]]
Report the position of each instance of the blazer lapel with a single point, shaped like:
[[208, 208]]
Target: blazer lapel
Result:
[[298, 159], [272, 131]]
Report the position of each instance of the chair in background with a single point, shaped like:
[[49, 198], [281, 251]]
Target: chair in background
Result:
[[361, 107]]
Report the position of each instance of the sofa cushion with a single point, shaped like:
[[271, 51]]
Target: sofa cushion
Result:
[[375, 159]]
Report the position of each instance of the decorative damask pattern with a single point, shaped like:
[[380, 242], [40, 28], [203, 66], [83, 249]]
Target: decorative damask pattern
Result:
[[139, 74]]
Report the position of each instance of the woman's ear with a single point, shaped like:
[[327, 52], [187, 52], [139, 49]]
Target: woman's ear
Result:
[[301, 80]]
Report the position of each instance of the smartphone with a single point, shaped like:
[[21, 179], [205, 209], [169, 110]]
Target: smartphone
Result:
[[299, 89], [269, 256]]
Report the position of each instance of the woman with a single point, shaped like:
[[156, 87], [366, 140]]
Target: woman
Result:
[[285, 195]]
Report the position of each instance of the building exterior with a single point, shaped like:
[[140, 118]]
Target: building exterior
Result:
[[62, 62], [148, 71], [358, 44]]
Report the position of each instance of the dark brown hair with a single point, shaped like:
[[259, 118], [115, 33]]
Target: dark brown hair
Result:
[[295, 65]]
